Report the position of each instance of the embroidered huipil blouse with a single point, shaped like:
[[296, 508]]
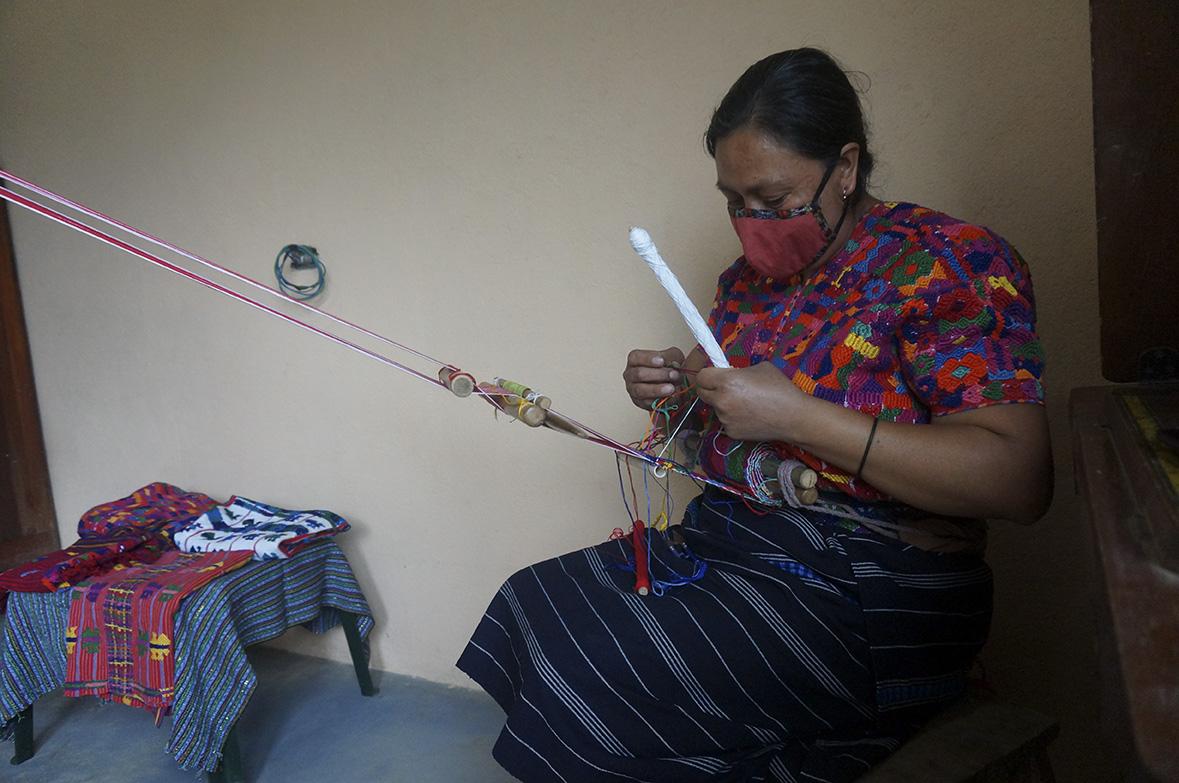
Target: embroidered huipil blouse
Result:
[[918, 315]]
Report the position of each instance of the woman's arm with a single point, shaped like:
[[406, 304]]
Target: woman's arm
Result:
[[993, 462]]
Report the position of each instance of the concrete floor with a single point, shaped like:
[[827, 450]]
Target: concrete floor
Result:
[[306, 722]]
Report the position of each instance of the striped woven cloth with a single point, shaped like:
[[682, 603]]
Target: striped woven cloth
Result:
[[805, 653], [214, 680]]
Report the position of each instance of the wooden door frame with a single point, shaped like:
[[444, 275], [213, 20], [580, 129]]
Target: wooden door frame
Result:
[[27, 471]]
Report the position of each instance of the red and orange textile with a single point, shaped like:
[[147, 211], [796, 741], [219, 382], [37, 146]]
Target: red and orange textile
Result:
[[155, 507], [82, 559], [121, 627]]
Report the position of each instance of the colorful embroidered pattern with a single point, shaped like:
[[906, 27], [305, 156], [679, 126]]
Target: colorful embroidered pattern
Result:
[[157, 506], [248, 525], [919, 315], [84, 558], [121, 626], [214, 678]]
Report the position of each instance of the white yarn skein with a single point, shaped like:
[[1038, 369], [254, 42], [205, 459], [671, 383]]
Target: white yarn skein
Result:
[[640, 240]]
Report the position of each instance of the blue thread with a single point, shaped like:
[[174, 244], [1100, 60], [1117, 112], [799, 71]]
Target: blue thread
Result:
[[661, 586]]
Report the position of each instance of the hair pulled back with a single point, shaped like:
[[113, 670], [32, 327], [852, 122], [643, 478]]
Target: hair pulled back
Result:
[[803, 99]]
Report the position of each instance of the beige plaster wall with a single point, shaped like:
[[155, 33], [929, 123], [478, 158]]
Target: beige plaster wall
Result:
[[469, 171]]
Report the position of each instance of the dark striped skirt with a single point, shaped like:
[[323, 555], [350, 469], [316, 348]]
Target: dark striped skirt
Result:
[[806, 651]]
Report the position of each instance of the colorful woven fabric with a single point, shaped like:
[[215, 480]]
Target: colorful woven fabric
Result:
[[213, 676], [80, 560], [155, 507], [122, 625], [919, 315], [266, 531], [32, 654]]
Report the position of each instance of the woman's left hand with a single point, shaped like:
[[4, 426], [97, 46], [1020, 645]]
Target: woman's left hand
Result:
[[755, 403]]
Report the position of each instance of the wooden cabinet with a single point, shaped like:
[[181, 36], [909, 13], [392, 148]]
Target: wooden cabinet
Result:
[[1127, 470]]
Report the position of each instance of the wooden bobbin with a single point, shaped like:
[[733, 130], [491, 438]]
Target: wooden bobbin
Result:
[[808, 497], [462, 384]]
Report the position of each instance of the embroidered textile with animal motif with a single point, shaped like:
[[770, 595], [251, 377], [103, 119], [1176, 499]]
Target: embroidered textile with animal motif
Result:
[[266, 531]]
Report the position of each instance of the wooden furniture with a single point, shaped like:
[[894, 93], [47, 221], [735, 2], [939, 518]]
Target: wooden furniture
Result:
[[1136, 166], [976, 740], [1129, 477], [28, 526]]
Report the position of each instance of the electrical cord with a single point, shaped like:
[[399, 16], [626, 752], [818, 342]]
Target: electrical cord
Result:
[[299, 257]]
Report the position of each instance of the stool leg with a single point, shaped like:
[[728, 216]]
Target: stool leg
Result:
[[356, 648], [23, 736], [229, 769]]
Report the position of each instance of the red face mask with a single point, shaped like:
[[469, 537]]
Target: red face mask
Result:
[[781, 243]]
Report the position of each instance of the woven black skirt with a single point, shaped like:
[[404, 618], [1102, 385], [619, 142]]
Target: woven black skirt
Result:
[[805, 650]]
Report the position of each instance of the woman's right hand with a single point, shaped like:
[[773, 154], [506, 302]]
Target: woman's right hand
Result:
[[652, 375]]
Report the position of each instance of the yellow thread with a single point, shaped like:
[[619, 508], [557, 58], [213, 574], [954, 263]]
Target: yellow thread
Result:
[[861, 346], [159, 646], [522, 405], [1002, 282]]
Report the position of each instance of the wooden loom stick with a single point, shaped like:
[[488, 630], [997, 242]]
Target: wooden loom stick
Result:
[[555, 421], [462, 384], [520, 390], [803, 480], [514, 405], [803, 477]]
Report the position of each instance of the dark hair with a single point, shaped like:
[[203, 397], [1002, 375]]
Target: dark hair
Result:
[[804, 100]]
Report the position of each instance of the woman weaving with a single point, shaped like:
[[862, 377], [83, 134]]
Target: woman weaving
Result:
[[885, 346]]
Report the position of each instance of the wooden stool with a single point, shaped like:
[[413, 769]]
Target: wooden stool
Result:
[[978, 739]]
